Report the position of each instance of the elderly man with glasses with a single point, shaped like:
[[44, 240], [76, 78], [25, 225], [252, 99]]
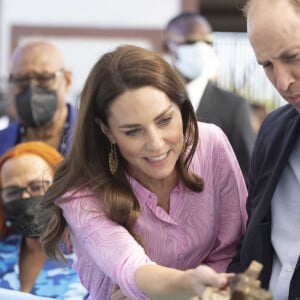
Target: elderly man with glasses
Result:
[[38, 86]]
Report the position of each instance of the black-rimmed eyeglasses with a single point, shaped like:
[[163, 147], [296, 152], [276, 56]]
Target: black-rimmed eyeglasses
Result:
[[15, 192], [43, 79]]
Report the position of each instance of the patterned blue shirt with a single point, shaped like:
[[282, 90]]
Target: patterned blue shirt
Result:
[[53, 281]]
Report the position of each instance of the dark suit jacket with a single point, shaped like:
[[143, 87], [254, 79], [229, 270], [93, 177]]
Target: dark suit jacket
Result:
[[232, 114], [274, 144]]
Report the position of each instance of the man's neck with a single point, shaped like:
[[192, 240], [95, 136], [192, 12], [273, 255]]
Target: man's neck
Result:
[[50, 134]]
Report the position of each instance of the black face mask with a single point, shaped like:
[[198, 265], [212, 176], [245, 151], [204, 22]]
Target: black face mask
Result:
[[21, 213], [36, 105]]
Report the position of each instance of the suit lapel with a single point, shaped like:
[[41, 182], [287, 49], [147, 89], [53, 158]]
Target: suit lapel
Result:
[[290, 137], [208, 94]]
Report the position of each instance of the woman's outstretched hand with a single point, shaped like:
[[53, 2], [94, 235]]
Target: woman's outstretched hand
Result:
[[205, 282], [211, 281]]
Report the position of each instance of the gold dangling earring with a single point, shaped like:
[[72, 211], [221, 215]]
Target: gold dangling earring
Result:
[[113, 159]]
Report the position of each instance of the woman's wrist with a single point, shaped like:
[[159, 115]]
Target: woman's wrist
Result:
[[163, 283]]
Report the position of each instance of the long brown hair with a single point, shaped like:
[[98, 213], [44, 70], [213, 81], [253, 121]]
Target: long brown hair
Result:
[[86, 165]]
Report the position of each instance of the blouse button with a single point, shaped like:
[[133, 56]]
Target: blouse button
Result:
[[289, 269]]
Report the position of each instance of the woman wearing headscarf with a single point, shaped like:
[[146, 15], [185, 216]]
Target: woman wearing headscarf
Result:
[[26, 171]]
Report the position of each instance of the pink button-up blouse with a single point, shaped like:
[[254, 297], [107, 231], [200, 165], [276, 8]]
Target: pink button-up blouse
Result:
[[200, 228]]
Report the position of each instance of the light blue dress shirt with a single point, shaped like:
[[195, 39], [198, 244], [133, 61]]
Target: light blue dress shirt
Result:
[[285, 207]]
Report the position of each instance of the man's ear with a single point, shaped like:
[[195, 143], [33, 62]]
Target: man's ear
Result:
[[105, 130], [166, 48], [68, 80]]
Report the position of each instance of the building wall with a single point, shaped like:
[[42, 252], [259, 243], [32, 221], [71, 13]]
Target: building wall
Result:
[[225, 16], [85, 29]]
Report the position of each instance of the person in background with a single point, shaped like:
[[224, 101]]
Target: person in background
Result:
[[273, 230], [259, 112], [149, 195], [38, 86], [188, 40], [2, 104], [4, 118], [26, 171]]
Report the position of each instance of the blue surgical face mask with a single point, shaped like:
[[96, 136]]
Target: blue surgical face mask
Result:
[[198, 59]]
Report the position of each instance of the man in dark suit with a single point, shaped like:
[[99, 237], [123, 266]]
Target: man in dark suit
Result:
[[188, 40], [273, 230]]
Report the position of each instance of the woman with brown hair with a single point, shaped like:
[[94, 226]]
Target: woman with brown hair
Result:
[[145, 200]]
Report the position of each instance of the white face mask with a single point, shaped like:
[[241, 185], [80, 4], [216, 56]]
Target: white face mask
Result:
[[193, 60]]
